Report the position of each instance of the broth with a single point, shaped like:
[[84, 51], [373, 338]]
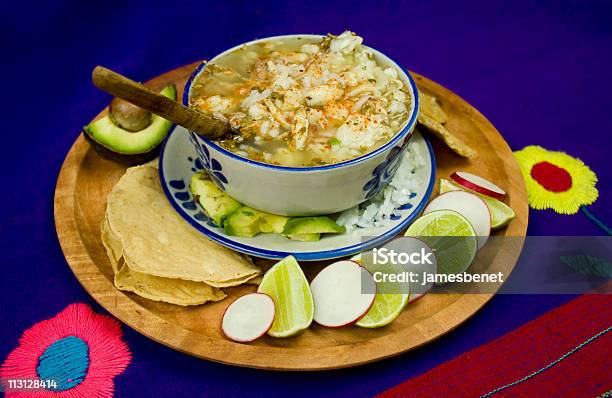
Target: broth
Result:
[[300, 102]]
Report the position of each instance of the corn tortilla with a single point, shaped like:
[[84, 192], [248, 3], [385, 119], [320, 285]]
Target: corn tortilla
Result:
[[173, 291], [157, 241]]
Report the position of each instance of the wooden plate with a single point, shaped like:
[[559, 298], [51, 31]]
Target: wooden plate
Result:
[[80, 200]]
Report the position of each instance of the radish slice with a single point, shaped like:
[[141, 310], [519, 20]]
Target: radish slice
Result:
[[421, 269], [415, 297], [469, 206], [478, 184], [249, 317], [337, 294]]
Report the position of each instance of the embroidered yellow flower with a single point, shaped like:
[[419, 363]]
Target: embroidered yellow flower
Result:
[[556, 180]]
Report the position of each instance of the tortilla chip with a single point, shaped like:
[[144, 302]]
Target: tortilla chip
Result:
[[453, 142], [430, 107], [155, 240], [434, 118], [173, 291], [153, 163]]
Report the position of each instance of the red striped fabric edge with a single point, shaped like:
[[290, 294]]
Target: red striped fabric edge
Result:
[[529, 349]]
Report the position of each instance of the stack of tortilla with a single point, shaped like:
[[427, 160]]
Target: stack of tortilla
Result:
[[156, 254]]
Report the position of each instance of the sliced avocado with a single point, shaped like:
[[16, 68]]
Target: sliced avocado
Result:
[[312, 225], [119, 140], [244, 222], [247, 221], [305, 237], [273, 223], [216, 203]]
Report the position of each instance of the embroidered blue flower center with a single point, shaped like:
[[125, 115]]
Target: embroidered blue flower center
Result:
[[65, 361]]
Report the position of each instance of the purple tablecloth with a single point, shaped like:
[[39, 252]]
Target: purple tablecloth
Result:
[[539, 73]]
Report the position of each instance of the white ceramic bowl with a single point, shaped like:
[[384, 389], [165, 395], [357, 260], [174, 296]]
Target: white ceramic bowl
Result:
[[302, 191]]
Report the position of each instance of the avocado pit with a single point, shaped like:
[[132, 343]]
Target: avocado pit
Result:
[[112, 135], [129, 116]]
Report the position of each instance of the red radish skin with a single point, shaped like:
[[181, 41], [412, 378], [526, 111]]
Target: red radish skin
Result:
[[478, 184], [358, 319], [452, 200], [361, 265], [350, 323], [354, 318], [263, 330], [414, 297]]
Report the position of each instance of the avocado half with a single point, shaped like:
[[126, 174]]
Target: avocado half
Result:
[[137, 145]]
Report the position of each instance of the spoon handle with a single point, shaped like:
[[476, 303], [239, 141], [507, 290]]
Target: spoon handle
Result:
[[139, 95]]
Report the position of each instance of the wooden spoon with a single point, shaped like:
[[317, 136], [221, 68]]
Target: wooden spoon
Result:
[[127, 89]]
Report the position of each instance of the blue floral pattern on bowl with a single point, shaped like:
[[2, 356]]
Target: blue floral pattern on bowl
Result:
[[179, 160], [384, 172], [212, 166]]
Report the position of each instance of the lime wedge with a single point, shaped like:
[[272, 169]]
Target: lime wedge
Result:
[[501, 213], [450, 235], [286, 284], [385, 309], [387, 306]]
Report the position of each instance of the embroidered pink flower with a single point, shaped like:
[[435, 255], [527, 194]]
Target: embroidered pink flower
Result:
[[77, 353]]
